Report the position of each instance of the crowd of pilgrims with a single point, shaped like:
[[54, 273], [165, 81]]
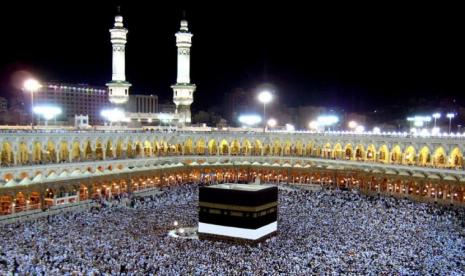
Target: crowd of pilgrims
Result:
[[320, 232]]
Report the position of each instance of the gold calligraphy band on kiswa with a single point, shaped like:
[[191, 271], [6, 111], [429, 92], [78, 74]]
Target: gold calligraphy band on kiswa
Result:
[[238, 207]]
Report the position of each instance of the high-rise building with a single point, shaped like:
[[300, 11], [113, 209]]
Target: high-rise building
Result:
[[74, 99], [183, 90]]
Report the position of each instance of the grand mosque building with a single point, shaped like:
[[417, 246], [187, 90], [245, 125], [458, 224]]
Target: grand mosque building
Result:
[[67, 169], [55, 169]]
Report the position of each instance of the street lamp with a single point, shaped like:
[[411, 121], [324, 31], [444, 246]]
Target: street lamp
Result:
[[114, 115], [265, 97], [313, 125], [327, 120], [249, 119], [290, 127], [48, 112], [435, 131], [419, 121], [436, 116], [271, 122], [352, 124], [450, 116], [32, 86], [359, 129]]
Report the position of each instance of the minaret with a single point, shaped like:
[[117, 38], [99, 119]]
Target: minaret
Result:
[[183, 90], [118, 93]]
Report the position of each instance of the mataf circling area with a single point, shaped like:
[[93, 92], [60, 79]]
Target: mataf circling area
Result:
[[324, 232]]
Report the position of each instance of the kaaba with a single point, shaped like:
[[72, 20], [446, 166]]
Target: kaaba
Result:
[[238, 212]]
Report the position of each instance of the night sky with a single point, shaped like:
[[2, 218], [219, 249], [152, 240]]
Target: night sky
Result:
[[352, 57]]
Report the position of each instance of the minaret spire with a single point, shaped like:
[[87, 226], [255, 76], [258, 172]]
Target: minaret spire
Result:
[[183, 90], [118, 88]]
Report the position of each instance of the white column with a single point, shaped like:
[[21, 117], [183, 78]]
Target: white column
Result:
[[183, 65], [119, 63]]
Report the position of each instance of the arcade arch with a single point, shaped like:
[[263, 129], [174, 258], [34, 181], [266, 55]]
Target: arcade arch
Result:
[[424, 156], [456, 158], [396, 155], [383, 155], [409, 156], [439, 157]]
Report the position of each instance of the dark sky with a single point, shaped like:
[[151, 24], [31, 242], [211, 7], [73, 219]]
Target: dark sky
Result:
[[356, 57]]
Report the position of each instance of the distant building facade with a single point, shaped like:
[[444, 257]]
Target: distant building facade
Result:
[[167, 107], [3, 104], [143, 104], [237, 102], [74, 99]]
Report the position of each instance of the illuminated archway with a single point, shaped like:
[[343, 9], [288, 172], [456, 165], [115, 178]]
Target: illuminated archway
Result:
[[7, 154], [51, 154], [212, 147], [309, 149], [456, 158], [424, 156], [129, 150], [359, 152], [287, 150], [337, 151], [23, 156], [396, 155], [164, 148], [348, 152], [200, 147], [326, 151], [267, 149], [299, 148], [317, 150], [119, 151], [439, 157], [147, 148], [246, 147], [188, 147], [83, 192], [257, 148], [277, 148], [409, 155], [178, 149], [37, 152], [156, 148], [224, 147], [48, 197], [139, 149], [383, 155], [371, 153], [34, 200], [235, 147], [98, 150], [5, 204], [20, 202], [64, 151], [76, 151], [88, 150], [109, 150]]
